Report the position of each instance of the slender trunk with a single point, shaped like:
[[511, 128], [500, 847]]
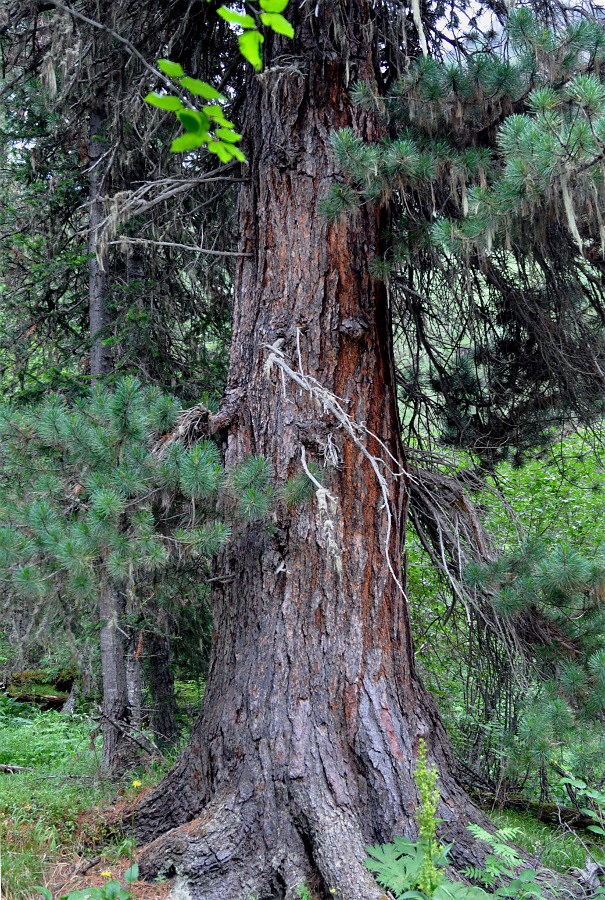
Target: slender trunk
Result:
[[132, 654], [307, 742], [98, 278], [133, 681], [116, 711], [161, 684]]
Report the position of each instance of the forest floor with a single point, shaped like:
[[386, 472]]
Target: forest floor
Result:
[[54, 811]]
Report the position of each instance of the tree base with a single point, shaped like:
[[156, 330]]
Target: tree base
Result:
[[267, 847], [228, 853]]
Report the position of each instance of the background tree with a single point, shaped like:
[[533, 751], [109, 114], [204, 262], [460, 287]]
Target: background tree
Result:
[[89, 507]]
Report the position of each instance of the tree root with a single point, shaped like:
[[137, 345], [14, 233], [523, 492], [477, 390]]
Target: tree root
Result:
[[217, 855], [233, 851], [244, 848]]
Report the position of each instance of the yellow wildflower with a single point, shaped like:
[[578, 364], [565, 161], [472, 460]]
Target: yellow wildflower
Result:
[[105, 874], [136, 783]]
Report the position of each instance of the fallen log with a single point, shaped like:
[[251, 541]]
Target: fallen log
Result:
[[10, 770], [44, 701], [551, 813]]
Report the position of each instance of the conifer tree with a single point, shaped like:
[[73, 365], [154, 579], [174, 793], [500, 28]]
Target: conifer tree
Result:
[[313, 711], [309, 749], [553, 599], [93, 513], [493, 166]]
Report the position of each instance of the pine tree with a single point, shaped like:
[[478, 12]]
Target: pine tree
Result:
[[94, 509], [165, 307], [493, 167], [552, 598]]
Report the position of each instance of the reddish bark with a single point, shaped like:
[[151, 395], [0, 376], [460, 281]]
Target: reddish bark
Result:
[[308, 737]]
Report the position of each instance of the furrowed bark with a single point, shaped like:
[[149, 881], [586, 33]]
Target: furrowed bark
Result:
[[161, 684], [312, 715]]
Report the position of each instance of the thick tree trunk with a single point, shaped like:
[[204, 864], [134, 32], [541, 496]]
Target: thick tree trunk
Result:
[[161, 684], [98, 278], [312, 716]]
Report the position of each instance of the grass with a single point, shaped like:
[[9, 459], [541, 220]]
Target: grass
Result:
[[552, 846], [54, 810], [48, 812]]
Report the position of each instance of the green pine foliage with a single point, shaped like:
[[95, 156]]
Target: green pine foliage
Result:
[[492, 170], [543, 155], [554, 598], [85, 497], [95, 490]]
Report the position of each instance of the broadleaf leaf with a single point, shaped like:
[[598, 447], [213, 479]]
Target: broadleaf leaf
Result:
[[174, 70], [164, 101]]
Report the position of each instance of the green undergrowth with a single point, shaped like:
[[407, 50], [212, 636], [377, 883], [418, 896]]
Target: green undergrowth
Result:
[[552, 846], [53, 810]]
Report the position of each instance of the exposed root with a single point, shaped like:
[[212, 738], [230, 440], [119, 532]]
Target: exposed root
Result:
[[233, 851], [339, 852]]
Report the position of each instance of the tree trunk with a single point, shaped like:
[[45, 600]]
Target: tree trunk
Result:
[[69, 706], [116, 710], [133, 681], [161, 684], [306, 745], [98, 278]]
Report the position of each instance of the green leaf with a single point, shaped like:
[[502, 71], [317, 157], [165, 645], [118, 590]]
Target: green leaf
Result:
[[45, 893], [112, 890], [194, 121], [164, 101], [214, 111], [527, 875], [226, 134], [189, 141], [201, 89], [223, 151], [230, 15], [273, 6], [277, 23], [596, 829], [131, 874], [174, 70], [249, 45]]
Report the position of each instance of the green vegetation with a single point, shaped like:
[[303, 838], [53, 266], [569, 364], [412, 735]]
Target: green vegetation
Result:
[[469, 166], [416, 869], [40, 809]]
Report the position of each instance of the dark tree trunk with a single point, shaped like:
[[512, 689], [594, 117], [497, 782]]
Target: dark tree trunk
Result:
[[116, 708], [98, 278], [312, 715], [161, 684]]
